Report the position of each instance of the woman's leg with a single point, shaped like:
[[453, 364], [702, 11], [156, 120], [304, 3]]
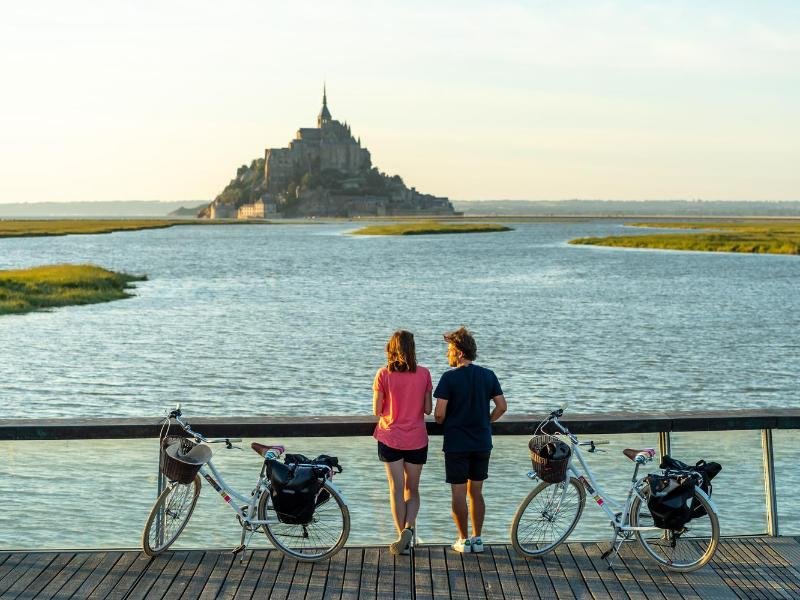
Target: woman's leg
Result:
[[411, 492], [395, 475]]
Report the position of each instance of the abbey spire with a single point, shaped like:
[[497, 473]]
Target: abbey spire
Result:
[[324, 114]]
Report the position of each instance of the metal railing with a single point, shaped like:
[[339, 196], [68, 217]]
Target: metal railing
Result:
[[662, 423]]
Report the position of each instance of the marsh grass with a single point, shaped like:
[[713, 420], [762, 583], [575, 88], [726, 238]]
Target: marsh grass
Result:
[[757, 238], [429, 228], [45, 227], [38, 288]]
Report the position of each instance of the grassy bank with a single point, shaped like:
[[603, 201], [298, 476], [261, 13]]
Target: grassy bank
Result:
[[429, 227], [37, 288], [46, 227], [759, 238]]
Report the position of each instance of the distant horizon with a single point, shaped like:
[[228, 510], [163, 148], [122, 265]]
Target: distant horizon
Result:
[[470, 100]]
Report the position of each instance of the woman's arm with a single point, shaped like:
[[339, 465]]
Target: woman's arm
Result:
[[377, 403], [428, 403]]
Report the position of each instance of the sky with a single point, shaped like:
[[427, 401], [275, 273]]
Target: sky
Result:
[[538, 100]]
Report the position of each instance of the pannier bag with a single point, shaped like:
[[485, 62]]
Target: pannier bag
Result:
[[297, 486], [670, 500], [707, 470]]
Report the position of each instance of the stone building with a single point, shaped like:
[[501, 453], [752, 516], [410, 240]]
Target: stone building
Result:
[[260, 209], [329, 145]]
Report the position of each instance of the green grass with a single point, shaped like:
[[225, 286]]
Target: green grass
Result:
[[45, 227], [776, 237], [38, 288], [429, 227]]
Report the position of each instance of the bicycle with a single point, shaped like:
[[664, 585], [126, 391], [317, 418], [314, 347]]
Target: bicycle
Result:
[[309, 541], [550, 512]]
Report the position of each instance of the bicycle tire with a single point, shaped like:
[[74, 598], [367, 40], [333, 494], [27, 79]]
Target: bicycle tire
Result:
[[527, 532], [178, 501], [311, 542], [662, 547]]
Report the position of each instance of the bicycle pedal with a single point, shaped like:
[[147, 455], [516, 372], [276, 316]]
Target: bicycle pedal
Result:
[[238, 549]]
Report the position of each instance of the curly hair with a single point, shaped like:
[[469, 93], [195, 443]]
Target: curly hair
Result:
[[401, 354], [463, 341]]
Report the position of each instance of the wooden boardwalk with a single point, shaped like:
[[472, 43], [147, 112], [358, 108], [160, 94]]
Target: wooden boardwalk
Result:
[[755, 567]]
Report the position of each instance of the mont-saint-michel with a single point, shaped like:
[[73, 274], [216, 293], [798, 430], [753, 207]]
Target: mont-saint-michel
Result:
[[324, 172]]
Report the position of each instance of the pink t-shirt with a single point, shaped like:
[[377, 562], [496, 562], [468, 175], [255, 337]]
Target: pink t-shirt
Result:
[[402, 422]]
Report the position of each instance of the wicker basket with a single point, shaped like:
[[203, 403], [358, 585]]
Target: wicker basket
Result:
[[548, 470], [174, 469]]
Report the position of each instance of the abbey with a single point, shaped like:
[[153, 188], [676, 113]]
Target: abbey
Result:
[[329, 145], [324, 172]]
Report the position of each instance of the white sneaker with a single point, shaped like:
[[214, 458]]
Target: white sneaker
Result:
[[403, 543], [462, 545], [476, 543]]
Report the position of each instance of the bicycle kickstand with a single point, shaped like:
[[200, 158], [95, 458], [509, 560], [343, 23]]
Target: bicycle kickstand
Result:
[[613, 551], [240, 549]]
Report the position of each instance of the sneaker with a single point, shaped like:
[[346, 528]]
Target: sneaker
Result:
[[403, 542], [462, 545], [476, 543]]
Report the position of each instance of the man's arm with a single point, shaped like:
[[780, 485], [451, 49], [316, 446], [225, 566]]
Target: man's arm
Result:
[[441, 410], [377, 403], [500, 407]]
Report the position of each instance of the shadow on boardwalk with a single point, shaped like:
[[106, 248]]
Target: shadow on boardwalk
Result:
[[754, 567]]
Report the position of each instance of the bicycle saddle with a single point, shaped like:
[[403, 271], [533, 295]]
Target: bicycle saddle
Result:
[[647, 453], [262, 449]]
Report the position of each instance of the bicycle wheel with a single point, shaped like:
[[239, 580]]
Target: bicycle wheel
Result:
[[169, 516], [547, 517], [686, 550], [323, 537]]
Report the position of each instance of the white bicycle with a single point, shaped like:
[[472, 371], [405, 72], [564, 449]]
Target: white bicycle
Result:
[[319, 534], [551, 511]]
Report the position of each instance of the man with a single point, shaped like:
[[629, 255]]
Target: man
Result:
[[462, 406]]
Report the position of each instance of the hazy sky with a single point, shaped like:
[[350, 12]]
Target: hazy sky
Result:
[[537, 100]]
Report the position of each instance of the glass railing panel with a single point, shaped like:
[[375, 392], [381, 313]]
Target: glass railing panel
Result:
[[785, 443]]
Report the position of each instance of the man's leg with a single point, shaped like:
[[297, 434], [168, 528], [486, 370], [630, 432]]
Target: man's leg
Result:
[[396, 476], [460, 512], [411, 492], [477, 506]]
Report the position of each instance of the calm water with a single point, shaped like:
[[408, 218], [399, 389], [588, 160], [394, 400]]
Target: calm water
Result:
[[292, 320]]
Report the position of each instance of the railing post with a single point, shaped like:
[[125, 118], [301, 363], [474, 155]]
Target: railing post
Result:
[[664, 444], [159, 489], [769, 481]]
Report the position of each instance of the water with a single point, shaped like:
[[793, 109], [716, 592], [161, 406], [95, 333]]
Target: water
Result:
[[292, 320]]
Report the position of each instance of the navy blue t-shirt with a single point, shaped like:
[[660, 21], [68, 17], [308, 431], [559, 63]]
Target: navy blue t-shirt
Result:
[[467, 390]]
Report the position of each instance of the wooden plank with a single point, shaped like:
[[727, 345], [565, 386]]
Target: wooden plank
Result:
[[336, 567], [273, 564], [71, 578], [455, 575], [167, 564], [732, 578], [573, 574], [251, 575], [385, 573], [518, 567], [8, 567], [218, 576], [234, 576], [99, 573], [181, 580], [318, 580], [624, 577], [34, 585], [283, 576], [25, 572], [600, 567], [55, 583], [302, 577], [472, 575], [557, 578], [440, 585], [737, 574], [488, 573], [403, 584], [422, 573], [642, 576], [369, 575], [201, 575], [761, 574], [352, 573], [775, 562], [671, 583], [590, 577]]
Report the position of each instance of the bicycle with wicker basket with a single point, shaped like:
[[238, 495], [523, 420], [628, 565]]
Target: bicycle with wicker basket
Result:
[[550, 512], [296, 505]]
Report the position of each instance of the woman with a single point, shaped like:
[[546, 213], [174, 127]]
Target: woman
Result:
[[401, 398]]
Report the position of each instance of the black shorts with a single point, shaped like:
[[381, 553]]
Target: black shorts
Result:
[[388, 454], [460, 466]]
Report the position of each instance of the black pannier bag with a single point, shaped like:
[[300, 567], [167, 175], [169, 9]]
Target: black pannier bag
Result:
[[294, 490], [707, 470], [670, 500]]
